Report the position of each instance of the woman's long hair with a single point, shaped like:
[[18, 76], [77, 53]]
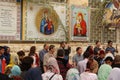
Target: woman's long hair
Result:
[[32, 51], [89, 50]]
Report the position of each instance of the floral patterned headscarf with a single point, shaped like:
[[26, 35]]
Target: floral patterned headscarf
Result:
[[53, 65]]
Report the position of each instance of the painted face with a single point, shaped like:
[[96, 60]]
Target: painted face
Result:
[[80, 18], [46, 16]]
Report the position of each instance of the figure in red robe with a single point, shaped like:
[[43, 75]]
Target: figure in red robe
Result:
[[80, 26]]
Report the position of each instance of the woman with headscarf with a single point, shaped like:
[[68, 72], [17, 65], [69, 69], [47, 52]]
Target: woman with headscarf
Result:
[[15, 73], [88, 73], [14, 60], [105, 69], [72, 74], [53, 72], [114, 74]]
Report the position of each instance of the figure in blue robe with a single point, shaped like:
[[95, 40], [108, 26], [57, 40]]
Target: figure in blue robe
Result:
[[46, 26], [42, 28]]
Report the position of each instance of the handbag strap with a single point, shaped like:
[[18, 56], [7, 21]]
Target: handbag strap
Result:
[[52, 76]]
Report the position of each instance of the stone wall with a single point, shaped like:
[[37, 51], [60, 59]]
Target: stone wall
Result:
[[26, 46]]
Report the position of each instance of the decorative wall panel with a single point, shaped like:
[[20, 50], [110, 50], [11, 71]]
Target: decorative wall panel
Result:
[[10, 20], [79, 23], [45, 22]]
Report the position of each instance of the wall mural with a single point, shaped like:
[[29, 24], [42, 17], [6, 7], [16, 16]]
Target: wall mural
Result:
[[112, 14], [79, 2], [79, 23], [45, 22], [10, 20]]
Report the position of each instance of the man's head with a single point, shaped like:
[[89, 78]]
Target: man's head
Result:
[[26, 63], [79, 50], [110, 43], [7, 49], [60, 53], [46, 47], [109, 60], [21, 55], [98, 43], [86, 55], [62, 44], [2, 50], [52, 48]]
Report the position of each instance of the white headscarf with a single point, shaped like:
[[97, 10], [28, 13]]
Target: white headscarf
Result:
[[114, 74], [53, 65]]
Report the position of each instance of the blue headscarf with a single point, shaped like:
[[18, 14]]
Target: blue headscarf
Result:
[[15, 71]]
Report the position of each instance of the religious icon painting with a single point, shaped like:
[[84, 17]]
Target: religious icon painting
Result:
[[45, 22], [111, 17], [79, 23]]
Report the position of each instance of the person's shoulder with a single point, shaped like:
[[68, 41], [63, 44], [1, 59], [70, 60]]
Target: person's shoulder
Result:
[[73, 70], [58, 76], [75, 54], [17, 78], [95, 47], [48, 73], [116, 69], [41, 50], [46, 54], [105, 66], [35, 72], [93, 74], [107, 47], [4, 77], [80, 62]]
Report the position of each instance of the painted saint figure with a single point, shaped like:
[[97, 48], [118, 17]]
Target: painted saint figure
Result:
[[46, 25], [80, 26]]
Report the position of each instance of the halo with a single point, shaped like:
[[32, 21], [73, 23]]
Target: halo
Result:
[[51, 14]]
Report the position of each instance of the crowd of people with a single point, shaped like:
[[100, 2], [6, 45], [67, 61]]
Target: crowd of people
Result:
[[94, 63]]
